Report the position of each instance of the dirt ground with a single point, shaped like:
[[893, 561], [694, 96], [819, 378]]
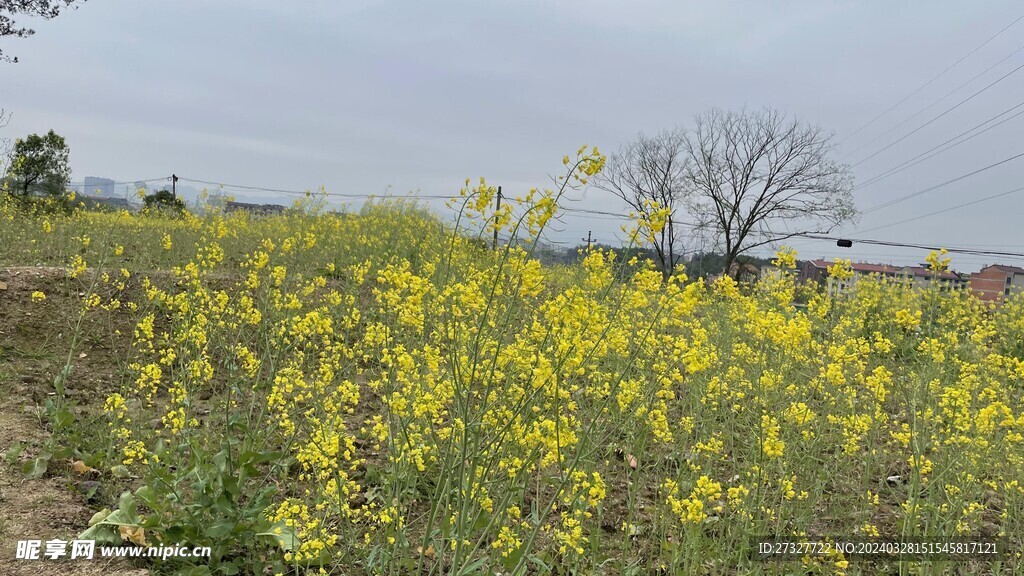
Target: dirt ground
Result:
[[33, 348]]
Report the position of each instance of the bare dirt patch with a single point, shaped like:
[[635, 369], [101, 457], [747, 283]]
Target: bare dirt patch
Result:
[[33, 347]]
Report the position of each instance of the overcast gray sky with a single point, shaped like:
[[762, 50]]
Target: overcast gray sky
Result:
[[364, 96]]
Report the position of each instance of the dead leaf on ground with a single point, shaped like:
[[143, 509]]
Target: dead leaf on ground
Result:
[[82, 468], [429, 553], [134, 534]]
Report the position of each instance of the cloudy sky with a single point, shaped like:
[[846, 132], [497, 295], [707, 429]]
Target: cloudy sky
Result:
[[368, 97]]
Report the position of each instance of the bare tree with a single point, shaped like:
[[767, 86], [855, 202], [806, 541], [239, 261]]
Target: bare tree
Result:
[[11, 9], [5, 147], [760, 177], [650, 170]]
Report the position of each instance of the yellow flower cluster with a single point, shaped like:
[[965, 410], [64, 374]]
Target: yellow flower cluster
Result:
[[693, 508], [432, 402]]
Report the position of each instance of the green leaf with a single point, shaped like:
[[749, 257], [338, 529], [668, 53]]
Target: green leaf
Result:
[[61, 452], [13, 453], [260, 457], [221, 461], [102, 534], [482, 520], [63, 418], [121, 518], [36, 467], [512, 560], [285, 536], [220, 530], [120, 471], [127, 504], [147, 495], [61, 379], [103, 524], [474, 567], [99, 517], [231, 485], [543, 567]]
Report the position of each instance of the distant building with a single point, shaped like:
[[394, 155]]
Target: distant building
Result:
[[101, 203], [919, 276], [213, 202], [997, 282], [817, 271], [94, 186], [922, 276], [255, 209]]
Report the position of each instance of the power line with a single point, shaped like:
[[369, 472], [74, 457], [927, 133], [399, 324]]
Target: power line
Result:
[[933, 79], [362, 196], [617, 214], [946, 111], [817, 239], [589, 212], [165, 178], [929, 107], [940, 185], [953, 250], [562, 211], [927, 155], [961, 261], [846, 253], [598, 212], [305, 192], [944, 210], [244, 187]]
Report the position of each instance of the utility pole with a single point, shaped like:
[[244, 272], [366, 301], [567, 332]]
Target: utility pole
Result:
[[589, 240], [174, 186], [497, 206]]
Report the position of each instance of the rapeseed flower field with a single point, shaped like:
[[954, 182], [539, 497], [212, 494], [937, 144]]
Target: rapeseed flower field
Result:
[[381, 393]]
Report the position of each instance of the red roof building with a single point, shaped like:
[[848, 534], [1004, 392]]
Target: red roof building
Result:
[[996, 282], [817, 271]]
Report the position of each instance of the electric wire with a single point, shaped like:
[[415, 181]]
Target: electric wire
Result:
[[934, 118], [929, 107], [935, 151], [940, 184], [934, 78], [587, 212], [943, 211]]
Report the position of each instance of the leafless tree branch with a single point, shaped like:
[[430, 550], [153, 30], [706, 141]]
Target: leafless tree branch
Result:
[[748, 170], [652, 170]]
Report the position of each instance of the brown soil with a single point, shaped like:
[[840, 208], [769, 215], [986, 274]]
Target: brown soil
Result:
[[33, 345]]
